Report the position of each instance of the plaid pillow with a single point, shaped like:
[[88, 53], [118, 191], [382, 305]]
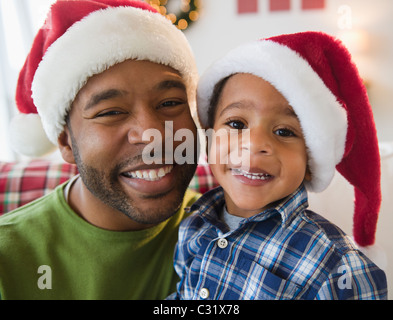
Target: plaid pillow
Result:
[[24, 182], [203, 179], [21, 183]]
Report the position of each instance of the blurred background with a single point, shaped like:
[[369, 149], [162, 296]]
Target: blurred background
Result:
[[215, 26]]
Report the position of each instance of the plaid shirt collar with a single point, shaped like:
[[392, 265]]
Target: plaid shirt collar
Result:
[[209, 207]]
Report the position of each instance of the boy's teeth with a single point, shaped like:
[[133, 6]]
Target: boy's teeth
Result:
[[151, 175], [253, 176]]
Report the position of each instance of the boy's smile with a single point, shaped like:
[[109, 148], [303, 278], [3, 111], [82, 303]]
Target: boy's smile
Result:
[[273, 152], [253, 177]]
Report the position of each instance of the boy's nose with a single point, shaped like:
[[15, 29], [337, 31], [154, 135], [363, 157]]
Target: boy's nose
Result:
[[259, 142]]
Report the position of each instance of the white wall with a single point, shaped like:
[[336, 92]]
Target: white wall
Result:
[[221, 28]]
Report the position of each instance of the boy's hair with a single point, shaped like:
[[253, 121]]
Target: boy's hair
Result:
[[215, 99]]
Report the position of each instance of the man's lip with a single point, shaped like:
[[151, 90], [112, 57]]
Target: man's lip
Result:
[[150, 174], [157, 181], [143, 167]]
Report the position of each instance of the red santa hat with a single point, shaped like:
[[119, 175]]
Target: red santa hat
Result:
[[315, 73], [79, 39]]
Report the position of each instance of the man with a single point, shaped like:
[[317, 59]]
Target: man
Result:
[[101, 73]]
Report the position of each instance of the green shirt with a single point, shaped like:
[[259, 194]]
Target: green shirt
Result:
[[48, 252]]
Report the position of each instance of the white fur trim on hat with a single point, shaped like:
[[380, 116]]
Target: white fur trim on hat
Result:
[[97, 42], [28, 137], [323, 119]]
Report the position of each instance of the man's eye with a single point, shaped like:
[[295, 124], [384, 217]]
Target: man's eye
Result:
[[234, 124], [170, 103], [285, 133], [110, 113]]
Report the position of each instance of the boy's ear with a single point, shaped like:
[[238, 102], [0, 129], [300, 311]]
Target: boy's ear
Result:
[[207, 140], [65, 146], [308, 176]]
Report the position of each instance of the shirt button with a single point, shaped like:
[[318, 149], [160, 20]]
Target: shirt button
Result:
[[204, 293], [222, 243]]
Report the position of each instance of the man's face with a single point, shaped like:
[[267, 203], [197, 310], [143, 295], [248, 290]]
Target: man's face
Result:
[[106, 125]]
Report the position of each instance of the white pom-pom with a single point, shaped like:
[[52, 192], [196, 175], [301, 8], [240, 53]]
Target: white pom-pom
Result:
[[28, 137], [376, 254]]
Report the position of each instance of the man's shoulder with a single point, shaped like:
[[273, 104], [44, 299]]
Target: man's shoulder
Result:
[[190, 197], [31, 216]]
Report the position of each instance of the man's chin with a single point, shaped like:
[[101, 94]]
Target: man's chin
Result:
[[156, 208]]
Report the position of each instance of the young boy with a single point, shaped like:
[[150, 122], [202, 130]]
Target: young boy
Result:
[[305, 110]]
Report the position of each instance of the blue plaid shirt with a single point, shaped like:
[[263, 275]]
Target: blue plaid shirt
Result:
[[286, 252]]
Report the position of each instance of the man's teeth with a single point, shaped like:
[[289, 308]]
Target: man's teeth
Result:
[[253, 176], [150, 175]]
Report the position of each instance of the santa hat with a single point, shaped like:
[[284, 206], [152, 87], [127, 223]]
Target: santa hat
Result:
[[315, 73], [79, 39]]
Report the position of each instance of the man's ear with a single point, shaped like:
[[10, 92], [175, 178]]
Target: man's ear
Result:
[[65, 146]]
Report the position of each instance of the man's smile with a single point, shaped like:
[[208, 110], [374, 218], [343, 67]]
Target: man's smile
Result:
[[149, 174]]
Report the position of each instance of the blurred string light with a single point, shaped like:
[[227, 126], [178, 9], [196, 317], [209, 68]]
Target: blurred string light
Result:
[[187, 14]]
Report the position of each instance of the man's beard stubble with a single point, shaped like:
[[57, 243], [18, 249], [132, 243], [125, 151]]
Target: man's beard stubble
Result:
[[108, 189]]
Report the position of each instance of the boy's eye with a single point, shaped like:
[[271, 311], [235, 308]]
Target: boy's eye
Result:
[[238, 125], [285, 133]]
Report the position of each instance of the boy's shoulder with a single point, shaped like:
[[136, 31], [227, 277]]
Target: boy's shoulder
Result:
[[334, 236], [352, 264]]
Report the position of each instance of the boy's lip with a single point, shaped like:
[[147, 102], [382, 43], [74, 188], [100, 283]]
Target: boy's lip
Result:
[[250, 171], [252, 176]]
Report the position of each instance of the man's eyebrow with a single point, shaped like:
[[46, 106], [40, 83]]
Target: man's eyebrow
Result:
[[104, 95], [169, 84]]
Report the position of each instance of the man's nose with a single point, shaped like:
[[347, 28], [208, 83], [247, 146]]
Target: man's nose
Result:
[[145, 127]]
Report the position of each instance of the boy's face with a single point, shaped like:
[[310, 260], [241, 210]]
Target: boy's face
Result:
[[273, 152]]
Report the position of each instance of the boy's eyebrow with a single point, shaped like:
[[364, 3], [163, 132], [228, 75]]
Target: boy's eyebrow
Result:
[[290, 112], [235, 105], [104, 95], [240, 105]]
